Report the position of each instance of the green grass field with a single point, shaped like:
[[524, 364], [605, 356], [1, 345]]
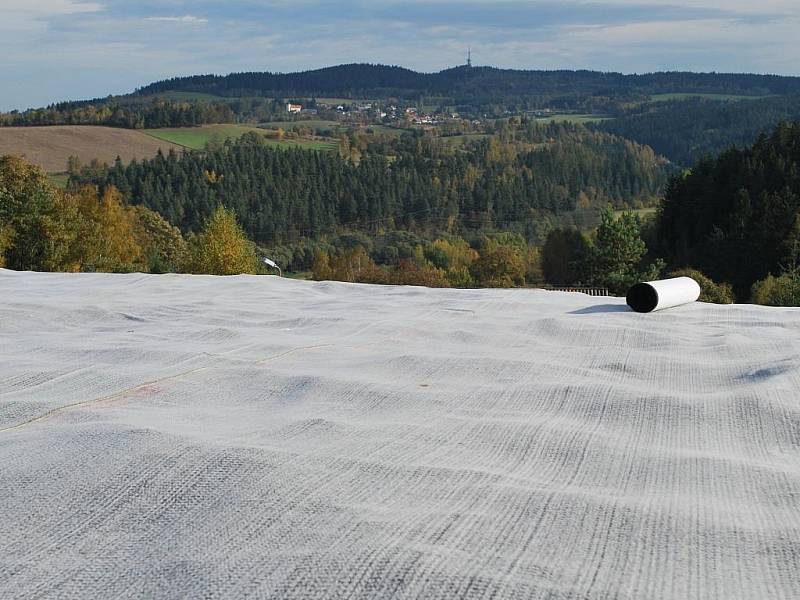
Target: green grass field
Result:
[[59, 180], [686, 95], [324, 145], [337, 101], [571, 118], [312, 123], [196, 138]]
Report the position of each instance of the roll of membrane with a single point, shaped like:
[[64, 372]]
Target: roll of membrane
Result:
[[650, 296]]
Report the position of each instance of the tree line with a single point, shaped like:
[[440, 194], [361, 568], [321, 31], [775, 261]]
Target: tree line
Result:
[[732, 223], [687, 130], [86, 229], [43, 228], [131, 115], [465, 84], [737, 217], [527, 178]]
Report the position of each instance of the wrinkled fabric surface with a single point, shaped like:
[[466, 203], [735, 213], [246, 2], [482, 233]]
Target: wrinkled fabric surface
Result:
[[254, 437]]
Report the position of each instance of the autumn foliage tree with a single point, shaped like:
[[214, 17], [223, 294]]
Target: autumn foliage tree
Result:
[[499, 266], [783, 290], [347, 264], [46, 229], [456, 257], [5, 243], [222, 248], [108, 240], [163, 245], [26, 204], [409, 272]]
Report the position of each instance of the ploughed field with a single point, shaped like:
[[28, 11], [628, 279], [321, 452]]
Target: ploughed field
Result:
[[188, 436], [50, 147]]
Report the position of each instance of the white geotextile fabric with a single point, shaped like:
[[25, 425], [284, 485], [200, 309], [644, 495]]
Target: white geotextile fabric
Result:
[[197, 437]]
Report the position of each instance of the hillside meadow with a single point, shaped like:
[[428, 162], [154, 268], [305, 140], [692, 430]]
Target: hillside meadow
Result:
[[574, 118], [687, 95], [196, 138]]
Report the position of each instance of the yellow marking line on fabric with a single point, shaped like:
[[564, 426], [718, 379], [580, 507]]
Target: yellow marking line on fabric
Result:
[[141, 386]]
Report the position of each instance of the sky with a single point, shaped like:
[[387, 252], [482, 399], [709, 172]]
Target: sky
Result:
[[52, 50]]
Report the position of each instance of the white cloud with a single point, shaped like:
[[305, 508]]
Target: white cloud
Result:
[[20, 16], [732, 45], [191, 19], [45, 44], [723, 5], [39, 8]]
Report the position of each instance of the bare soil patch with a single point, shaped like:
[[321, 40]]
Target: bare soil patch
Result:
[[50, 147]]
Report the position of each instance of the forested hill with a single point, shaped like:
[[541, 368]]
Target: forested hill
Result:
[[529, 180], [687, 130], [379, 80], [737, 216]]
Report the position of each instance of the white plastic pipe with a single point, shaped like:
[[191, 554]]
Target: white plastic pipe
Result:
[[657, 295]]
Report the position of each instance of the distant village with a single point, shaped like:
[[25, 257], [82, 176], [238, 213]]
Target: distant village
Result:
[[372, 112], [390, 113], [394, 112]]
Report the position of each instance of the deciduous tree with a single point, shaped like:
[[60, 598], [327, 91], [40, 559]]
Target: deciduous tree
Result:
[[26, 201], [222, 248], [499, 266]]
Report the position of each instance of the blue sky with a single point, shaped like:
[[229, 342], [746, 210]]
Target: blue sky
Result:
[[53, 50]]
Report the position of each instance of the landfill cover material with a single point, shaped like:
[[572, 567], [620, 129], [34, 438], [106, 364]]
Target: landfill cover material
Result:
[[255, 437]]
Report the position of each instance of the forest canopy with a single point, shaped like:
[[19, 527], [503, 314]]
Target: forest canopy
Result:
[[686, 131], [529, 179], [737, 217], [465, 83]]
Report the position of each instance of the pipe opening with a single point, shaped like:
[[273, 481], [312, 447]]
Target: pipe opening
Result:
[[642, 298]]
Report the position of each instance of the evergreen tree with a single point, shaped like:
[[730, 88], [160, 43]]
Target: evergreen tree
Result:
[[734, 217], [564, 257], [615, 258], [283, 195]]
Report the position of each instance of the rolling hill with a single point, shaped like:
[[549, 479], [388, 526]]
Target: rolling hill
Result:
[[50, 147], [378, 80]]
